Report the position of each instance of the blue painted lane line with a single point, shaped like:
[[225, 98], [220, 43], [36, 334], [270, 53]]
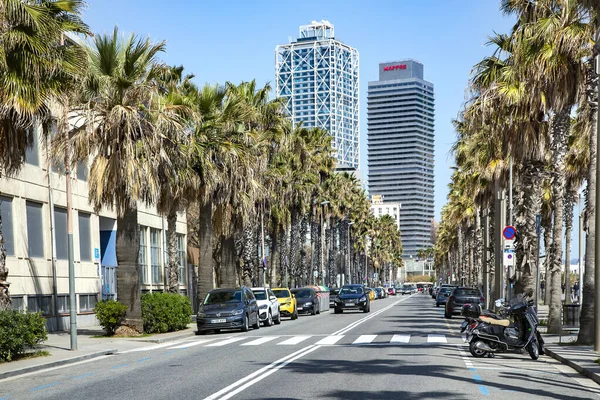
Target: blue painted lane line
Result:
[[484, 390], [84, 375], [477, 378], [5, 398], [44, 386], [119, 366], [144, 359]]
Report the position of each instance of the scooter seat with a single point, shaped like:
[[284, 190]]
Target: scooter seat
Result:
[[501, 322]]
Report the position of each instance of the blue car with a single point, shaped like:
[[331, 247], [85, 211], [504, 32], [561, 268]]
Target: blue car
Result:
[[443, 294], [352, 297]]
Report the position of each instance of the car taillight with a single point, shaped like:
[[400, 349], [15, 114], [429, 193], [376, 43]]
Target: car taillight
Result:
[[452, 298], [482, 299]]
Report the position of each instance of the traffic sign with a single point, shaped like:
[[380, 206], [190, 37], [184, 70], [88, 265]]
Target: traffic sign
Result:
[[509, 232], [509, 257]]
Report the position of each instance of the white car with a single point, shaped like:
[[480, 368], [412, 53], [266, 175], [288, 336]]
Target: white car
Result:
[[268, 306]]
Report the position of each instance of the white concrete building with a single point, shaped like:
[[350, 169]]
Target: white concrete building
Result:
[[379, 208], [33, 207]]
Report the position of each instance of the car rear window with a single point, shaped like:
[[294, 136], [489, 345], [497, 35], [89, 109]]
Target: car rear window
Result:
[[303, 293], [445, 290], [466, 292]]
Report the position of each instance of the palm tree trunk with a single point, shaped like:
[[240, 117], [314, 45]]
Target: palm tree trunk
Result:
[[303, 276], [5, 302], [547, 224], [478, 254], [529, 204], [283, 256], [587, 319], [206, 268], [173, 254], [273, 279], [249, 256], [315, 249], [128, 281], [560, 127], [570, 198], [228, 276], [294, 247]]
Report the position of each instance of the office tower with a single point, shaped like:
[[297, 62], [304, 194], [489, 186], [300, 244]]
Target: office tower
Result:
[[400, 129]]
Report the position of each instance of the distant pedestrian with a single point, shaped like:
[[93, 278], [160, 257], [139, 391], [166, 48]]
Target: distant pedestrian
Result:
[[543, 288], [562, 286], [576, 290]]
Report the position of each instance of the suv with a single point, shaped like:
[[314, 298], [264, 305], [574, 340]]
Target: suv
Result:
[[461, 296], [268, 306], [228, 308], [443, 294]]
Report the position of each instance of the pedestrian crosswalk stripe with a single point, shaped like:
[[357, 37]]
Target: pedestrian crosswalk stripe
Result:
[[260, 341], [436, 339], [364, 339], [400, 339], [190, 344], [225, 342], [294, 340], [333, 339]]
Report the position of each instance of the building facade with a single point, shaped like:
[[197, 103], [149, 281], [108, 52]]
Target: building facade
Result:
[[400, 152], [34, 225], [318, 76], [379, 208]]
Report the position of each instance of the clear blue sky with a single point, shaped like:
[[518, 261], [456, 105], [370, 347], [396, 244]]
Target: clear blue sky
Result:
[[234, 40]]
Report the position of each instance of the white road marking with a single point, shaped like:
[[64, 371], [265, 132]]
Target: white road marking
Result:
[[436, 339], [294, 340], [364, 339], [225, 342], [333, 339], [260, 341], [400, 339], [191, 344], [148, 348]]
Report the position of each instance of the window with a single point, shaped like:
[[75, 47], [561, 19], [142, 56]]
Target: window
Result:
[[41, 304], [63, 303], [17, 303], [82, 171], [6, 214], [60, 232], [155, 263], [181, 252], [32, 154], [85, 245], [35, 230], [143, 254], [87, 302]]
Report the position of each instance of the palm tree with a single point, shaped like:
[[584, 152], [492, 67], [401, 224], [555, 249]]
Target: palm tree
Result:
[[34, 69], [115, 111]]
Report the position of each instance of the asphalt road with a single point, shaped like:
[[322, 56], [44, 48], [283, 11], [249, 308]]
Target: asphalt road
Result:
[[402, 349]]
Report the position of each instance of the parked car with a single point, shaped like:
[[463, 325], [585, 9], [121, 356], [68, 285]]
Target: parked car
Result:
[[370, 292], [231, 308], [434, 292], [392, 291], [379, 293], [443, 294], [406, 289], [268, 306], [307, 300], [352, 297], [287, 302], [461, 296], [332, 296]]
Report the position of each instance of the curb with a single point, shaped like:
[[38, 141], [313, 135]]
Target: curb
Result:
[[584, 371], [58, 363]]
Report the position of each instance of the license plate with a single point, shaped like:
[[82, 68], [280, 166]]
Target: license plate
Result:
[[299, 308], [349, 304], [217, 321]]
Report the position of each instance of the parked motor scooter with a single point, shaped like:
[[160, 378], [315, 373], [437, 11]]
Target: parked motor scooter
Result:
[[517, 333]]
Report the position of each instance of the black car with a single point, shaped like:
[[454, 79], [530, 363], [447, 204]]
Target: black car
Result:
[[443, 294], [307, 300], [352, 297], [333, 293], [232, 308], [461, 296]]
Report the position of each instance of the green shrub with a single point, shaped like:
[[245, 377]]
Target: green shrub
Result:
[[110, 314], [165, 312], [19, 332]]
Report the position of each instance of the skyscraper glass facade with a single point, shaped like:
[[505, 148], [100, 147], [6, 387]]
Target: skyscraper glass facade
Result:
[[400, 151], [318, 76]]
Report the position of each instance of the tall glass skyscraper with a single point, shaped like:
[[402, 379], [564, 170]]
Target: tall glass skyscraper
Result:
[[318, 75], [400, 123]]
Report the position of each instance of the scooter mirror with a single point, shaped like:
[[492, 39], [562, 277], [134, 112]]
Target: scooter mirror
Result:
[[499, 302]]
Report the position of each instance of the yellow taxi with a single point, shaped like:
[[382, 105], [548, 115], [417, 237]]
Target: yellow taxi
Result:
[[371, 293], [287, 302]]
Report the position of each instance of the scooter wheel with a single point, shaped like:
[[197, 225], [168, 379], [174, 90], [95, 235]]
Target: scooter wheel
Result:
[[475, 352], [533, 349]]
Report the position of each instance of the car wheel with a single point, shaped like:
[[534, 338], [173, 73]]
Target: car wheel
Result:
[[313, 312], [269, 320], [278, 319], [257, 324], [246, 324], [337, 311], [295, 314], [367, 309], [216, 330], [437, 304], [200, 332]]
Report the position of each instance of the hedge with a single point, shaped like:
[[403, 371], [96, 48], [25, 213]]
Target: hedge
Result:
[[20, 332], [165, 312], [110, 315]]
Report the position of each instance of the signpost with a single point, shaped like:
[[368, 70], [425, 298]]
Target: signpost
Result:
[[509, 233]]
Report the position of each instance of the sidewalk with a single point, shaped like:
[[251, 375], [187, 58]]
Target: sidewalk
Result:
[[580, 358], [88, 346]]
